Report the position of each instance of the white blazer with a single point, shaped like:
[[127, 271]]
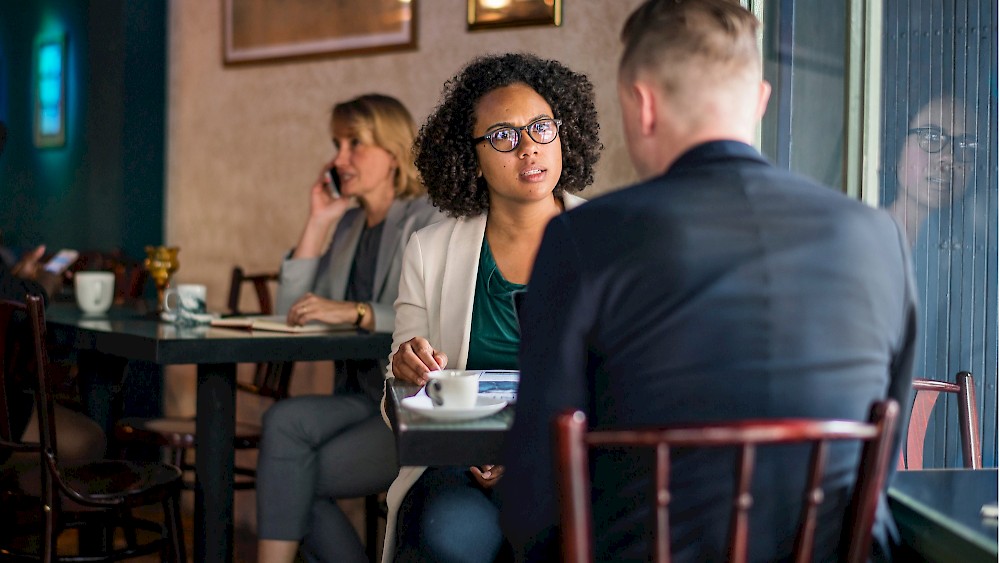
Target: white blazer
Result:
[[436, 291]]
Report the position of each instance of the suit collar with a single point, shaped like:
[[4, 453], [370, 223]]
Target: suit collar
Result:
[[712, 152]]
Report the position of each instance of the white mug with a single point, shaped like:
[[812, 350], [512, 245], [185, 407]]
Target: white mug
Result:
[[94, 291], [189, 302], [453, 388]]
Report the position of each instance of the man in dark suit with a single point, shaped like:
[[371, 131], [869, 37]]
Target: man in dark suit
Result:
[[718, 288]]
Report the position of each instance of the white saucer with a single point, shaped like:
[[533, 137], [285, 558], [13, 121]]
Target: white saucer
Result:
[[422, 404]]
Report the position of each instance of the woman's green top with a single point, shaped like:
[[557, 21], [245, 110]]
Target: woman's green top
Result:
[[495, 336]]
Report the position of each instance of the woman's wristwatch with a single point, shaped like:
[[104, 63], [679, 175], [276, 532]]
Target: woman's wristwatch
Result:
[[362, 309]]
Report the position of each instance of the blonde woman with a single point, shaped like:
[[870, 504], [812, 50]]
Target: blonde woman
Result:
[[316, 449]]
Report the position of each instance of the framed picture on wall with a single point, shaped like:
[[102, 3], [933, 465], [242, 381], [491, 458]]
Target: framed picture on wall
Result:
[[491, 14], [258, 30], [49, 72]]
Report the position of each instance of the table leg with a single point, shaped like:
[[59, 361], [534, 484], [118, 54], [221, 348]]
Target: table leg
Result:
[[216, 423]]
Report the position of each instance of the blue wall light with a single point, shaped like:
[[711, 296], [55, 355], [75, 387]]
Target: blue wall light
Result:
[[50, 91]]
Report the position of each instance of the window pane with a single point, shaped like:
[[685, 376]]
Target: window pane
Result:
[[938, 179], [803, 48]]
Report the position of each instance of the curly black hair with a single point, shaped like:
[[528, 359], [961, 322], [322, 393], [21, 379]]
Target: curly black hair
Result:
[[445, 155]]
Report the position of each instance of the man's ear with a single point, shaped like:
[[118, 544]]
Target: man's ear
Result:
[[763, 95], [646, 99]]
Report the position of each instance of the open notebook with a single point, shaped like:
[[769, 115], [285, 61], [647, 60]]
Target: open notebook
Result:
[[276, 323]]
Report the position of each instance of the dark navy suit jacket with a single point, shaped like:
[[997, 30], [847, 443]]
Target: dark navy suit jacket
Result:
[[724, 289]]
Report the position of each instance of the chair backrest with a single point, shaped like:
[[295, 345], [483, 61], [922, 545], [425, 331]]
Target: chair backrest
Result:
[[271, 379], [260, 283], [926, 395], [573, 442], [15, 353]]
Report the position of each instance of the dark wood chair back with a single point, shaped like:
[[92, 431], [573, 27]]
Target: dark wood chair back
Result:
[[573, 442], [261, 285], [15, 351], [75, 495], [271, 379], [926, 395]]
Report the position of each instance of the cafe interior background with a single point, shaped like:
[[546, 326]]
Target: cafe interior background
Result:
[[164, 141]]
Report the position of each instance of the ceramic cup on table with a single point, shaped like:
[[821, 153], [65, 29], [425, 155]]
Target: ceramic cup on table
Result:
[[94, 291], [453, 388], [185, 304]]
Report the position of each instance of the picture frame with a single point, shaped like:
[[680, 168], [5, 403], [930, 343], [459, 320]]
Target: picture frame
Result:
[[262, 30], [49, 74], [494, 14]]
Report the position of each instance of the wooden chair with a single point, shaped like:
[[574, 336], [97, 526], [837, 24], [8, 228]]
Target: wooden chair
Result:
[[260, 283], [911, 456], [43, 497], [573, 441], [177, 435]]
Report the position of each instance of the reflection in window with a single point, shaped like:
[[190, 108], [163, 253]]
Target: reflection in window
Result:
[[938, 179], [937, 171]]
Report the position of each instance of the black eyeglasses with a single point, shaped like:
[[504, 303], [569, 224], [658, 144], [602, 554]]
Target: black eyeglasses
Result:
[[933, 140], [542, 131]]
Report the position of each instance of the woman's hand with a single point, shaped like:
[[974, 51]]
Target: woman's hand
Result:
[[30, 267], [30, 264], [313, 308], [487, 475], [324, 211], [323, 206], [415, 358]]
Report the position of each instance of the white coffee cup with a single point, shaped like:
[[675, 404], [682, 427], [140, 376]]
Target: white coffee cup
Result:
[[94, 291], [188, 302], [453, 388]]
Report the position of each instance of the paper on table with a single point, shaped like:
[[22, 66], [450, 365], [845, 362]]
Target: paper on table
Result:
[[277, 323], [499, 384]]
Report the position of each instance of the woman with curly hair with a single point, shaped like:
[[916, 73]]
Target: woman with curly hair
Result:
[[513, 137]]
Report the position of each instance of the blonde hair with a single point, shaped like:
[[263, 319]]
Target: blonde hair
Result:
[[683, 43], [391, 127]]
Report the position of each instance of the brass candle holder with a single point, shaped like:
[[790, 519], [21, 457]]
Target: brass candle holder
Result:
[[161, 263]]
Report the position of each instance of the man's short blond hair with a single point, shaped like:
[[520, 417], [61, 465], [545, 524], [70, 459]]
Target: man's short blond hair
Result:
[[690, 43]]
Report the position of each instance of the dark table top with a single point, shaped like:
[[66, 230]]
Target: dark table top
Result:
[[423, 441], [938, 513], [131, 334]]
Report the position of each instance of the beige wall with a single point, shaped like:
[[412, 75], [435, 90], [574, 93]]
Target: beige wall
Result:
[[245, 142]]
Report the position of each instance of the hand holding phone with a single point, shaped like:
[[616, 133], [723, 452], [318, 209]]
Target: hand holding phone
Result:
[[332, 182], [61, 261]]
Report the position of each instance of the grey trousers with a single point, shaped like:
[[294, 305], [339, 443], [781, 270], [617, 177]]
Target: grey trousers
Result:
[[314, 450]]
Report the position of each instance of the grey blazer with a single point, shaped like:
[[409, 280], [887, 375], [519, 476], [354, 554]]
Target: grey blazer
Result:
[[326, 276]]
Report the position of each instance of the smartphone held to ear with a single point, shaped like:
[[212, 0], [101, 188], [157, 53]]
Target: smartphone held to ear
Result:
[[332, 182], [61, 261]]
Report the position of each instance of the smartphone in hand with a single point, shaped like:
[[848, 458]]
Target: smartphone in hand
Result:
[[332, 182], [61, 261]]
